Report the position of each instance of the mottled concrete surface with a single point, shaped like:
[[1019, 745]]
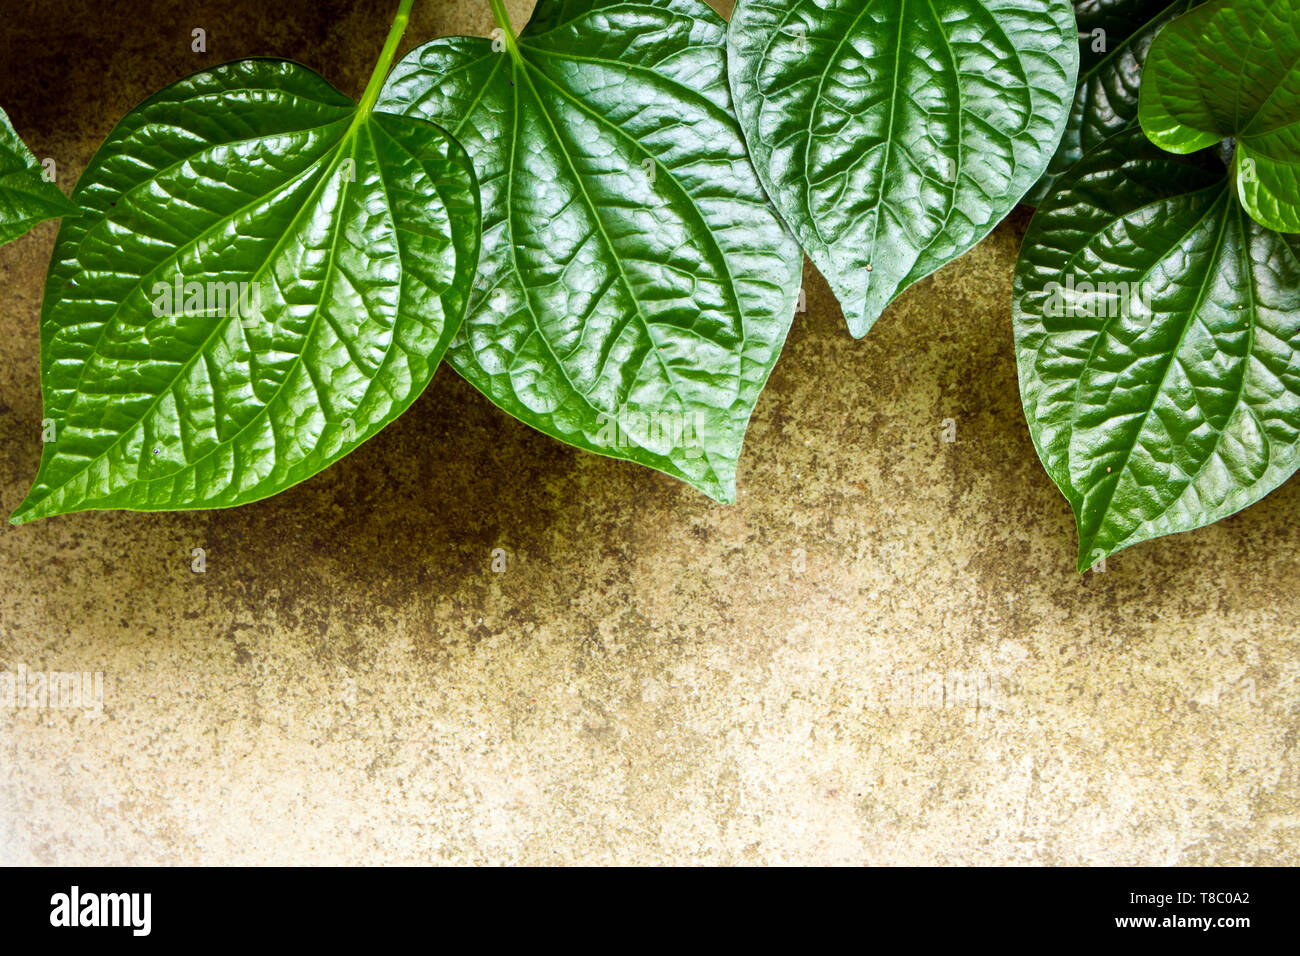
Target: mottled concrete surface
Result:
[[655, 678]]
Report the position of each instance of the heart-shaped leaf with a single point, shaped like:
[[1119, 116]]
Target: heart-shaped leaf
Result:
[[1232, 70], [1114, 36], [26, 197], [263, 275], [635, 287], [1157, 335], [894, 134]]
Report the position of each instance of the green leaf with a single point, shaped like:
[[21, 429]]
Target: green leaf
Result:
[[26, 198], [1157, 328], [1232, 70], [1104, 24], [893, 135], [635, 287], [1114, 36], [348, 239]]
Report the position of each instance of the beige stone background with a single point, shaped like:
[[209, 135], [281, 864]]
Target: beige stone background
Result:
[[655, 678]]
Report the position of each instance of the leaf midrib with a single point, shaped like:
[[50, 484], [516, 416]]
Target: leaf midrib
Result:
[[321, 313], [817, 96], [1164, 377], [85, 227], [526, 68], [600, 224], [670, 175], [335, 155], [1070, 264]]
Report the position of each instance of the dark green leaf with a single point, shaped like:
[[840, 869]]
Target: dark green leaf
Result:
[[1113, 41], [635, 286], [1157, 328], [893, 135], [1104, 24], [1231, 70], [26, 198], [348, 239]]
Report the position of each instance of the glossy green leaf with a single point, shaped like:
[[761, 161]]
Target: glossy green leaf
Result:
[[635, 286], [26, 198], [1231, 70], [1157, 328], [1105, 24], [323, 255], [892, 135], [1114, 36]]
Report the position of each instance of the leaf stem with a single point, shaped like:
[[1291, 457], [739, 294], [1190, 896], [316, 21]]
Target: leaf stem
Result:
[[507, 31], [371, 95]]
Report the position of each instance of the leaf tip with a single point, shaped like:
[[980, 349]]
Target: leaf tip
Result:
[[1092, 556], [26, 512], [724, 493], [859, 321]]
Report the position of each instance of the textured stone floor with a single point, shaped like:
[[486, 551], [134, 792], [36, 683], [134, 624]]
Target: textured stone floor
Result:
[[880, 654]]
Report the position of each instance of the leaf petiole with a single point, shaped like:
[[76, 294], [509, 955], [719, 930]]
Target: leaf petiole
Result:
[[507, 31], [386, 55]]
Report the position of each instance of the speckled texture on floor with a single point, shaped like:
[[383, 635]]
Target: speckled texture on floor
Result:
[[881, 654]]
